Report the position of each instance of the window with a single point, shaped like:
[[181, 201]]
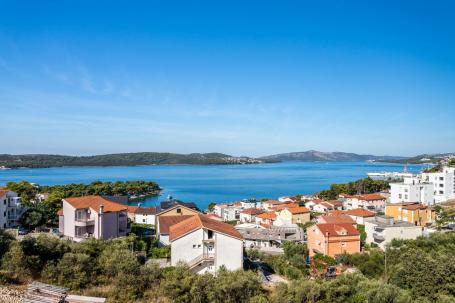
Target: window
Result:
[[441, 192], [210, 234], [343, 244], [199, 246], [143, 220], [179, 211], [194, 245]]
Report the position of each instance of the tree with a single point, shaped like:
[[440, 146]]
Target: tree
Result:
[[211, 206], [15, 262], [74, 271]]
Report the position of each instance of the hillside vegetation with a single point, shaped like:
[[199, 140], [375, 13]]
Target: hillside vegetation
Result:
[[124, 159]]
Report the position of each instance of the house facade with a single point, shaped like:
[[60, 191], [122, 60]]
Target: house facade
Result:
[[248, 215], [168, 217], [417, 213], [92, 216], [381, 230], [10, 209], [372, 202], [412, 189], [443, 182], [205, 244], [332, 239], [294, 215]]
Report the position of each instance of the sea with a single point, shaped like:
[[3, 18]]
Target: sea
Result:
[[203, 184]]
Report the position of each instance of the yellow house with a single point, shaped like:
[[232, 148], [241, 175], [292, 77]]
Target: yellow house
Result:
[[294, 215], [416, 213]]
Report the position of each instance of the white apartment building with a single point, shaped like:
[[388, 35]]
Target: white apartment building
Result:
[[381, 230], [92, 216], [10, 209], [443, 182], [229, 211], [412, 189], [205, 244]]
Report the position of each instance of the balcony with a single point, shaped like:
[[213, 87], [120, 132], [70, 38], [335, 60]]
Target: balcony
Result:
[[84, 222], [212, 240]]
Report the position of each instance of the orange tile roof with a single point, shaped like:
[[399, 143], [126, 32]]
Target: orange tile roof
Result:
[[337, 219], [3, 192], [145, 210], [165, 222], [335, 212], [335, 202], [252, 211], [299, 210], [284, 205], [269, 215], [369, 197], [272, 202], [338, 229], [415, 206], [359, 212], [94, 202], [131, 209], [201, 221]]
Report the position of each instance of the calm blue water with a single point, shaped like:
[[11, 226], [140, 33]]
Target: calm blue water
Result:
[[214, 183]]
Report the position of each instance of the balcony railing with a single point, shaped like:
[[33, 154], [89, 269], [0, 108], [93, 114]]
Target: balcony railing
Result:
[[206, 257]]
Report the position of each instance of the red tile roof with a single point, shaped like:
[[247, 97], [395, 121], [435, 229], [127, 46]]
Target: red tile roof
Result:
[[299, 210], [252, 211], [337, 219], [269, 215], [272, 202], [415, 206], [165, 222], [338, 229], [201, 221], [359, 212], [284, 205], [369, 197], [94, 202], [145, 210], [3, 192], [131, 209]]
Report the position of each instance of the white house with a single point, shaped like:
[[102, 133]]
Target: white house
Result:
[[205, 244], [381, 230], [372, 202], [145, 215], [412, 189], [92, 216], [10, 209], [228, 211], [443, 182]]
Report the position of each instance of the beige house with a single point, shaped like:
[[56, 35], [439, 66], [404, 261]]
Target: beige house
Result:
[[168, 217], [294, 215], [92, 216]]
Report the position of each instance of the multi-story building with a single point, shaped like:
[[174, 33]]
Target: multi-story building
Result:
[[333, 239], [228, 211], [412, 189], [443, 182], [381, 230], [205, 244], [166, 218], [92, 216], [10, 209], [259, 237], [372, 202], [417, 213]]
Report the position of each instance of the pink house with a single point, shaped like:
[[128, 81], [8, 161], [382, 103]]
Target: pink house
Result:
[[92, 216]]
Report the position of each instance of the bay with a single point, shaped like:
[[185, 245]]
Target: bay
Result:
[[214, 183]]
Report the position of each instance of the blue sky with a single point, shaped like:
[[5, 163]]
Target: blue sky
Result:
[[240, 77]]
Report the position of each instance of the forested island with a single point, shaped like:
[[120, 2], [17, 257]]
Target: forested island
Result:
[[123, 159]]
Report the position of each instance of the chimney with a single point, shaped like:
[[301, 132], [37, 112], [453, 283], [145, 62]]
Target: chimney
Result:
[[101, 209]]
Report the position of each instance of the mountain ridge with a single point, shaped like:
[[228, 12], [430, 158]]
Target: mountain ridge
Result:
[[314, 155]]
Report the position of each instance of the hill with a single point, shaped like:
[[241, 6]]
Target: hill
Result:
[[313, 155], [123, 159]]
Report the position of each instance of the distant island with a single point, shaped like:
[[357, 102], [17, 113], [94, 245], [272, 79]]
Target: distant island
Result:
[[154, 158], [314, 155], [122, 159]]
